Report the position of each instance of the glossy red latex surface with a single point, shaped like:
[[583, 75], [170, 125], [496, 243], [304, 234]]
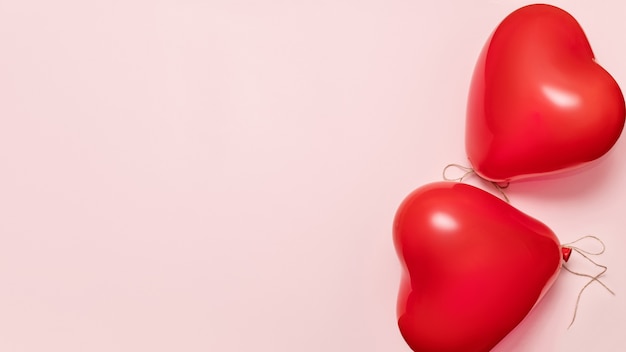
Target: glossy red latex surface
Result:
[[474, 266], [538, 102]]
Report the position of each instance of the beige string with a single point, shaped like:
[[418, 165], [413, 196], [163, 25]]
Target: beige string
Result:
[[467, 172], [501, 190], [585, 254]]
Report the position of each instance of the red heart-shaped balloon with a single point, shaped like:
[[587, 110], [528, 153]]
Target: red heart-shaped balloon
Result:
[[538, 102], [474, 266]]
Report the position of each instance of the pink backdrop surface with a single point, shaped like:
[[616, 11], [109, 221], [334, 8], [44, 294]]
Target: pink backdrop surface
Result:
[[223, 175]]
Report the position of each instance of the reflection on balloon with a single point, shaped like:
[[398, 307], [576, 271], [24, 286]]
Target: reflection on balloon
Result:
[[561, 98]]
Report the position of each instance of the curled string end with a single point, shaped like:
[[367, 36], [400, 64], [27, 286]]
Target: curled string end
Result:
[[592, 237], [567, 250], [467, 171]]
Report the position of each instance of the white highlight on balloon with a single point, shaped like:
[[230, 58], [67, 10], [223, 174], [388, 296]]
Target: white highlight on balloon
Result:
[[444, 221], [560, 97]]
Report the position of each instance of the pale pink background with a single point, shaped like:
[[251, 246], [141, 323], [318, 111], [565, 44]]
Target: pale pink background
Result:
[[222, 175]]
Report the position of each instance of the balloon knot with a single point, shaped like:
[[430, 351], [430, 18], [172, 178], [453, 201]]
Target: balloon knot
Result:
[[567, 251]]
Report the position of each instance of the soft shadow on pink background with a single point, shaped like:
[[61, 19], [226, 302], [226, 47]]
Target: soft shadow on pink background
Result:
[[222, 175]]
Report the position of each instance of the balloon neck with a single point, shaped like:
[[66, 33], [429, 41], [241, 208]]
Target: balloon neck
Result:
[[567, 251]]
